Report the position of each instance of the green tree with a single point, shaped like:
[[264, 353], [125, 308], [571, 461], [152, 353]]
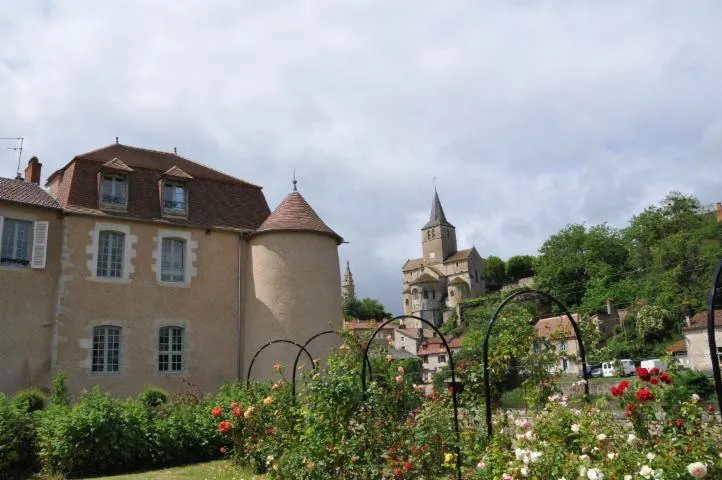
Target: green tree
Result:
[[494, 270], [366, 309], [518, 267]]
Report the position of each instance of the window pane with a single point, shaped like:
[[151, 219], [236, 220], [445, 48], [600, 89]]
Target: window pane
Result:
[[16, 242], [113, 190], [174, 197], [106, 349], [110, 254], [172, 257], [170, 349]]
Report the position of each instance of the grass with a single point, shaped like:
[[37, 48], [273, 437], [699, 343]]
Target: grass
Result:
[[216, 470]]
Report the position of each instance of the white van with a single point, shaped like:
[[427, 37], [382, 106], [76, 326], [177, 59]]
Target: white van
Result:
[[626, 367], [652, 363]]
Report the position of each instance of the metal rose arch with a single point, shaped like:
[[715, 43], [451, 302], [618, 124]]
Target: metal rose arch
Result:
[[711, 306], [301, 348], [453, 377], [492, 321]]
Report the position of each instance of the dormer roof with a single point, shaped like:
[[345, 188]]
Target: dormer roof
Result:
[[175, 172], [294, 214], [117, 165]]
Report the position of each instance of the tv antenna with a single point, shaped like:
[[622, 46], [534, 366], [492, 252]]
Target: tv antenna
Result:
[[16, 148]]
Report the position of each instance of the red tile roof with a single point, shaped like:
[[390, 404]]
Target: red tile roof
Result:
[[700, 320], [546, 327], [676, 347], [294, 214], [435, 348], [214, 199], [20, 191]]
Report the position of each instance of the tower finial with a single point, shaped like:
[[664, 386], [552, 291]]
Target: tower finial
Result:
[[116, 140], [294, 181]]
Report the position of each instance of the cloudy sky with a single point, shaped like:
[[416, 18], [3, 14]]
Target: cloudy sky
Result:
[[530, 115]]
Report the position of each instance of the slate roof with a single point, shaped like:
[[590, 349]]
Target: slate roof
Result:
[[437, 216], [214, 199], [294, 214], [27, 193], [699, 320]]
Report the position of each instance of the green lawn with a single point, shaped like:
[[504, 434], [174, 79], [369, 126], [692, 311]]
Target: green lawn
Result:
[[218, 470]]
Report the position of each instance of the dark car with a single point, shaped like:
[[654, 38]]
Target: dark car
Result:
[[593, 371]]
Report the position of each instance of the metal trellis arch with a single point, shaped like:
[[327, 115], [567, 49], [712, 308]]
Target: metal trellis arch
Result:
[[492, 321], [301, 348], [711, 306], [453, 377], [298, 355]]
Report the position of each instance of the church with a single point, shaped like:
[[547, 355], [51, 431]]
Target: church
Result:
[[434, 283]]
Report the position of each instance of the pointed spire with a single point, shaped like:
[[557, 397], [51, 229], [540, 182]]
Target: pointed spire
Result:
[[437, 216], [347, 289]]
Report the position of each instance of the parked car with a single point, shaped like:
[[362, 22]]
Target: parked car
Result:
[[652, 363], [626, 367], [593, 371]]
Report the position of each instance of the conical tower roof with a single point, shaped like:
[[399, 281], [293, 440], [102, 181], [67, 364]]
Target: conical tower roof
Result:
[[294, 214], [437, 216]]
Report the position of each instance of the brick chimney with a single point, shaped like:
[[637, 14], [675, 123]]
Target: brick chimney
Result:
[[32, 171], [719, 212]]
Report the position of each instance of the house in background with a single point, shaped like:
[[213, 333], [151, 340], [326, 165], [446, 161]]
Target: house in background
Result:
[[697, 340], [678, 350], [142, 267], [610, 321], [559, 333], [434, 357]]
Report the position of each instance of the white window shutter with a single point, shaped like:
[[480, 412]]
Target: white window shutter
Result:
[[40, 245]]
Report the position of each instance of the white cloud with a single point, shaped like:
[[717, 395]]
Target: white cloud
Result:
[[530, 115]]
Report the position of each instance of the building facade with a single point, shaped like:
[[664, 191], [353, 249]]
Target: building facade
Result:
[[434, 284], [697, 341], [159, 271], [558, 333]]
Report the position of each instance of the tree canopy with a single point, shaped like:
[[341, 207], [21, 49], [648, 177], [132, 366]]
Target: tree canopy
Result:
[[366, 309]]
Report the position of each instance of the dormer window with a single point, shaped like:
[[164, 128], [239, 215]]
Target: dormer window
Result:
[[175, 196], [114, 192]]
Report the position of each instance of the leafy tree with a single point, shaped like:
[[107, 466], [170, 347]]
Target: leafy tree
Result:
[[518, 267], [366, 309], [494, 270], [651, 321]]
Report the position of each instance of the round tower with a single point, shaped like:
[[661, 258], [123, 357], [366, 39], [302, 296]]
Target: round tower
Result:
[[291, 286]]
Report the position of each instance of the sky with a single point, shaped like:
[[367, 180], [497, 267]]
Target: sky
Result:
[[530, 115]]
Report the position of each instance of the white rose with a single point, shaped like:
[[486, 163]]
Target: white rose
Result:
[[575, 428], [611, 455], [601, 437], [631, 438], [696, 397], [594, 474], [535, 456], [584, 457], [524, 472], [650, 456], [627, 477], [646, 471], [529, 435], [697, 469]]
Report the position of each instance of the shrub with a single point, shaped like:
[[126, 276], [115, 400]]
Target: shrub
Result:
[[59, 393], [29, 400], [15, 436], [153, 396]]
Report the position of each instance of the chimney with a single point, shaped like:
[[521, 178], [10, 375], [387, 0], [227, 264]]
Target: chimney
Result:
[[610, 305], [719, 212], [32, 171]]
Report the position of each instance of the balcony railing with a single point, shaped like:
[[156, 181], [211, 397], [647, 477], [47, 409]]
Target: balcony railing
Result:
[[174, 206], [113, 201], [22, 262]]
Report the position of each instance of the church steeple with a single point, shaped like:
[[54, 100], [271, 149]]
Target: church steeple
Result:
[[437, 216], [347, 288], [438, 236]]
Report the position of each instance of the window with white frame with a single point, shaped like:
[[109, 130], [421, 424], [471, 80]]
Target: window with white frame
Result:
[[114, 192], [441, 358], [170, 349], [106, 350], [174, 197], [172, 266], [16, 242], [563, 346], [110, 254]]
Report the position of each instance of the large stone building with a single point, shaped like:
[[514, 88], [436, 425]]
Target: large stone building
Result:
[[434, 284], [141, 268]]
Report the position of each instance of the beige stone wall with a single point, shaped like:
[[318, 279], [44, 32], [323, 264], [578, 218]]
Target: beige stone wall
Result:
[[291, 291], [698, 348], [204, 305], [27, 306]]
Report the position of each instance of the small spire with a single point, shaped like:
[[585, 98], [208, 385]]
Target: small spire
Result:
[[294, 181], [116, 140], [175, 150]]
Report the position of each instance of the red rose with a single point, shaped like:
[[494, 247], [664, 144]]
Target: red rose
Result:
[[223, 449], [644, 395], [710, 409], [665, 377], [397, 472], [450, 388], [408, 466], [216, 411], [680, 422], [654, 381], [655, 371], [225, 426], [643, 373]]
